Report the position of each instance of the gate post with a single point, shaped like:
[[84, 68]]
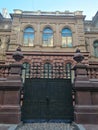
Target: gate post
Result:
[[86, 94], [10, 111]]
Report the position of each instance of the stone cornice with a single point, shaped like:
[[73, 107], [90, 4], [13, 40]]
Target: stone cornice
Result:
[[41, 14]]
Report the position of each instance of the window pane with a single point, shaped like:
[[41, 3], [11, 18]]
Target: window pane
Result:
[[28, 30], [48, 30], [96, 48], [64, 42], [47, 70], [66, 37], [48, 37], [69, 41], [29, 36]]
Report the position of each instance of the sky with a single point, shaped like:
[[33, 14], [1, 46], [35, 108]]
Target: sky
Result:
[[89, 7]]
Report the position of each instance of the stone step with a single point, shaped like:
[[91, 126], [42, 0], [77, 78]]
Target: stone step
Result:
[[47, 126]]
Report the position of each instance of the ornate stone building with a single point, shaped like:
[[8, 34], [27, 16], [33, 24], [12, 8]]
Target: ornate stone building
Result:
[[48, 41], [49, 33]]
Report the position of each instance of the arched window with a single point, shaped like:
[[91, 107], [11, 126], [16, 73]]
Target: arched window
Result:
[[47, 37], [28, 37], [68, 70], [66, 37], [47, 70], [26, 71], [96, 48]]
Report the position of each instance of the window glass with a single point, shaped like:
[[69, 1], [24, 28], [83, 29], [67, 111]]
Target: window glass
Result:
[[47, 37], [66, 37], [96, 48], [47, 70], [28, 36]]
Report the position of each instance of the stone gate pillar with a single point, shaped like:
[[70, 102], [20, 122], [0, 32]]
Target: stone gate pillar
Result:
[[10, 111], [86, 94]]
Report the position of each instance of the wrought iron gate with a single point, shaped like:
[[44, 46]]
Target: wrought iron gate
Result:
[[47, 99]]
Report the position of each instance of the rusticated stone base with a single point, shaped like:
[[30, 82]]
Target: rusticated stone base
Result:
[[10, 114], [86, 114]]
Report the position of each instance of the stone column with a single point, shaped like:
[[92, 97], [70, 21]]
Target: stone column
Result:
[[10, 110], [86, 94]]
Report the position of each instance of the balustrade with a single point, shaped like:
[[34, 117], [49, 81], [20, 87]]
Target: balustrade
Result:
[[4, 71], [92, 72]]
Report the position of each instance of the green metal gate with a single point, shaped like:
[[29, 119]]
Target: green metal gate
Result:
[[47, 99]]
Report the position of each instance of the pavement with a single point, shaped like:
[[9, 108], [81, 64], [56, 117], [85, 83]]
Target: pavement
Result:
[[78, 127], [91, 126], [8, 126]]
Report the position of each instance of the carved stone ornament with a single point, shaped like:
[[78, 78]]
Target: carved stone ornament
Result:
[[17, 55], [78, 57]]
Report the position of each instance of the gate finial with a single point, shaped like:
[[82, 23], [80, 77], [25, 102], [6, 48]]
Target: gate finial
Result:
[[78, 57], [17, 55]]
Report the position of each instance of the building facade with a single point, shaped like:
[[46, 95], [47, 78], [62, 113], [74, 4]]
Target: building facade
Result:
[[49, 33], [48, 41]]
